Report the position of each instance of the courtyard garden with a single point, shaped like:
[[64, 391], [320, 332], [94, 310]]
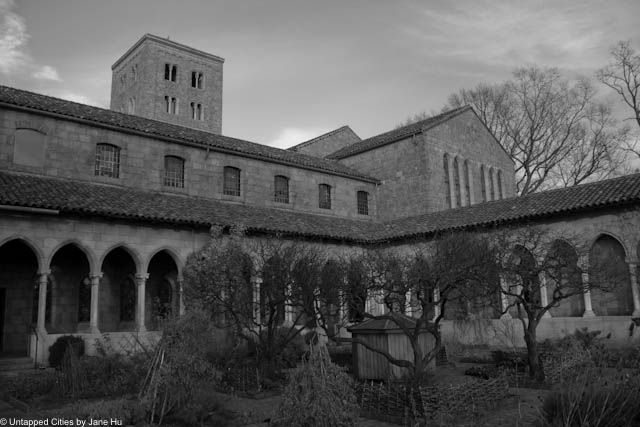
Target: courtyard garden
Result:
[[272, 352]]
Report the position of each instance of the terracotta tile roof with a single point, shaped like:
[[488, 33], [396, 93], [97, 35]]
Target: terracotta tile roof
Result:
[[88, 199], [619, 191], [153, 128], [396, 134]]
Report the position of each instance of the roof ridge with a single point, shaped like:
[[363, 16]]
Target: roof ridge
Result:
[[397, 134], [319, 137]]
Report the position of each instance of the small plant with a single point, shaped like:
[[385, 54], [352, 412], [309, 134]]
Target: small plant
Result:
[[318, 394], [62, 344]]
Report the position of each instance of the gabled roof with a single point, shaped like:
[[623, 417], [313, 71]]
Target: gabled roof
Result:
[[344, 128], [96, 200], [21, 99], [615, 192], [396, 134]]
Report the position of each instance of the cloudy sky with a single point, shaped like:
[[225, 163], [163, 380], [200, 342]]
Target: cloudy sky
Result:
[[295, 69]]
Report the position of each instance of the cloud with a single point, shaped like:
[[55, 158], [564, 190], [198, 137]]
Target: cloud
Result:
[[13, 39], [47, 72], [70, 96], [291, 136]]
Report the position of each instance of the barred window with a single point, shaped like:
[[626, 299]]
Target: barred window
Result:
[[231, 184], [483, 183], [363, 203], [324, 196], [447, 183], [173, 171], [281, 186], [107, 160]]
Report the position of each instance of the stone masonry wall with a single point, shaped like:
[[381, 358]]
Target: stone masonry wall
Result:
[[70, 153]]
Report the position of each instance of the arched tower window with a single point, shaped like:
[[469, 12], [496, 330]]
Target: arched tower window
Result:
[[492, 190], [456, 182], [447, 183], [467, 184], [483, 183]]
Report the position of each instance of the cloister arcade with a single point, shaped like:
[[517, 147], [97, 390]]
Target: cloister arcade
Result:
[[73, 291]]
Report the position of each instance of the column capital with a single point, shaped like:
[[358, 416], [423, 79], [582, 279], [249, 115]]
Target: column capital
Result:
[[142, 277], [95, 278], [633, 262]]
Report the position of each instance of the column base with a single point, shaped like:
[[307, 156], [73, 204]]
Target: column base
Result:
[[589, 313], [94, 330], [141, 328]]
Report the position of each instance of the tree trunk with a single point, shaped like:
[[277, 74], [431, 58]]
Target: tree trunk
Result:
[[536, 370]]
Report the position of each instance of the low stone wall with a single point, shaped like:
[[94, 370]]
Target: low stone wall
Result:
[[117, 342], [508, 333]]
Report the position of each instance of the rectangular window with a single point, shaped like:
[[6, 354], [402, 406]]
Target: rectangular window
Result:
[[194, 79], [173, 172], [281, 185], [324, 196], [363, 203], [231, 184], [107, 160], [167, 71]]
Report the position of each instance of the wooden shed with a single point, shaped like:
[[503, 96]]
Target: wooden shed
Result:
[[386, 335]]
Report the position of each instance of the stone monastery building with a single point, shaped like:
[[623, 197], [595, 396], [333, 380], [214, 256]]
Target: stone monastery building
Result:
[[100, 208]]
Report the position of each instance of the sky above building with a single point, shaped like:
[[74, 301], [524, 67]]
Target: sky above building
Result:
[[298, 68]]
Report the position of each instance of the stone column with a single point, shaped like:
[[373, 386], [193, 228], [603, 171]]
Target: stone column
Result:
[[436, 303], [504, 301], [588, 310], [407, 304], [633, 276], [257, 282], [544, 297], [95, 298], [472, 200], [181, 309], [288, 309], [43, 278], [141, 282]]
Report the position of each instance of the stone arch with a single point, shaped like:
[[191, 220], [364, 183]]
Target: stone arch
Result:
[[91, 258], [135, 255], [118, 290], [522, 271], [42, 265], [614, 236], [177, 259], [609, 277], [564, 275], [70, 289], [19, 271], [161, 289]]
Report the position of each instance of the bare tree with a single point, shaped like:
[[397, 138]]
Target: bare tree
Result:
[[540, 270], [623, 76], [451, 269], [556, 132]]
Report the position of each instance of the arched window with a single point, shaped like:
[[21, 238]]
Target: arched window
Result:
[[456, 181], [173, 171], [231, 181], [447, 183], [174, 106], [324, 196], [132, 106], [174, 73], [199, 112], [107, 160], [167, 104], [467, 184], [363, 203], [281, 187], [483, 183], [29, 147], [499, 174], [491, 185]]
